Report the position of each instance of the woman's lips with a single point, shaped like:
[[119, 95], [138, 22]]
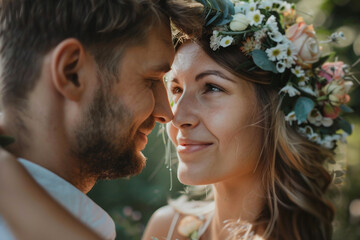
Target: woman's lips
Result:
[[191, 148]]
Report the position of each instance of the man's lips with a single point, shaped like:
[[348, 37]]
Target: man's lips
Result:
[[142, 140], [141, 135]]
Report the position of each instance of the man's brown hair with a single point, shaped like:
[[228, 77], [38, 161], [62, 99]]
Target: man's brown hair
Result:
[[31, 28]]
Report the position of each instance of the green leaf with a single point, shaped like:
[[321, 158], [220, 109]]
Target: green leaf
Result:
[[345, 125], [213, 18], [219, 11], [194, 236], [303, 107], [321, 61], [346, 109], [261, 59], [6, 140]]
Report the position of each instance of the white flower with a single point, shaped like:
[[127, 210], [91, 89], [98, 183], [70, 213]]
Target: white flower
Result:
[[303, 81], [252, 6], [266, 4], [281, 66], [275, 53], [239, 22], [255, 17], [226, 41], [241, 7], [260, 34], [271, 24], [284, 6], [313, 137], [289, 89], [276, 36], [327, 122], [291, 52], [329, 141], [290, 117], [298, 71], [309, 133], [306, 130], [215, 40], [317, 119]]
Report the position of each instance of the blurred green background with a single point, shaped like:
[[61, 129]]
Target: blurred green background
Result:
[[132, 201]]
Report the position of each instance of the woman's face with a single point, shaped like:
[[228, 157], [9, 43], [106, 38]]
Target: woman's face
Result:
[[214, 120]]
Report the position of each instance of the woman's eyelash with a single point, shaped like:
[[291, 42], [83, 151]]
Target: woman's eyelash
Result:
[[209, 87], [176, 90]]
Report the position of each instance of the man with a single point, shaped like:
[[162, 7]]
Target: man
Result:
[[81, 89]]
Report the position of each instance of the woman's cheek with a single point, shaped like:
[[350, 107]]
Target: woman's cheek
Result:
[[171, 132]]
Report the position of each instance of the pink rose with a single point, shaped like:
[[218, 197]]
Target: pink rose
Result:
[[332, 71], [304, 40]]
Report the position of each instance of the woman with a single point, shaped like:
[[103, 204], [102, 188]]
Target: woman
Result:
[[255, 117]]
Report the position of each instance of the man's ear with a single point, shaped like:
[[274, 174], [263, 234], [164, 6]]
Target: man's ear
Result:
[[68, 62]]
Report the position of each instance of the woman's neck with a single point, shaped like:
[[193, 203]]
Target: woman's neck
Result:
[[236, 199]]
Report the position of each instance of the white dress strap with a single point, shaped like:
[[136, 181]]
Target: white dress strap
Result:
[[203, 227], [172, 226]]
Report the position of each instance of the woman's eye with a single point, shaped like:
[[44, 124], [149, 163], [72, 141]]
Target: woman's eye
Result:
[[212, 88], [176, 90]]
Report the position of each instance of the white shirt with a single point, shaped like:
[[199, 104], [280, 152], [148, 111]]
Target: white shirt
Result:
[[75, 201]]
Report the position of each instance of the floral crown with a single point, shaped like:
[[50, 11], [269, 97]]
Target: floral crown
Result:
[[275, 39]]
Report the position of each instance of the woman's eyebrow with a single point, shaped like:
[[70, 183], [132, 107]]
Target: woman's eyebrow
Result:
[[212, 72]]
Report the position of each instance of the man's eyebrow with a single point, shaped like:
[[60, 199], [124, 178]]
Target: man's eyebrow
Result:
[[162, 68], [213, 72]]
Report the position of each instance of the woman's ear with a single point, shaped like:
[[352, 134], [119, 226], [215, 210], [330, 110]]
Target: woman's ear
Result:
[[67, 63]]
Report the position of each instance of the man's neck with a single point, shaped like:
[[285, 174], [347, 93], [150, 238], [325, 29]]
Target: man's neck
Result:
[[46, 149]]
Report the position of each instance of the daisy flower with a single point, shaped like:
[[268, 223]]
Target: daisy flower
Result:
[[275, 53], [255, 17], [298, 71], [266, 4], [302, 81], [252, 6], [226, 41]]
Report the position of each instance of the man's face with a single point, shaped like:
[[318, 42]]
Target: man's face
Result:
[[114, 128]]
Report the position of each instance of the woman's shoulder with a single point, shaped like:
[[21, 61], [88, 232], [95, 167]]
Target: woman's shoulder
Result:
[[160, 223]]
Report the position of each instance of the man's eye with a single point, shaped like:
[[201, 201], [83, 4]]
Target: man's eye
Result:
[[212, 88], [152, 82]]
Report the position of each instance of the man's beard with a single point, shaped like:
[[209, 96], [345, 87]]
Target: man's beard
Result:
[[103, 141]]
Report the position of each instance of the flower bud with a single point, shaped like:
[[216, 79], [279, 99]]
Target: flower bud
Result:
[[239, 22]]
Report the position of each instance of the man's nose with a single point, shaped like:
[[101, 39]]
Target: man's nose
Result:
[[162, 111]]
